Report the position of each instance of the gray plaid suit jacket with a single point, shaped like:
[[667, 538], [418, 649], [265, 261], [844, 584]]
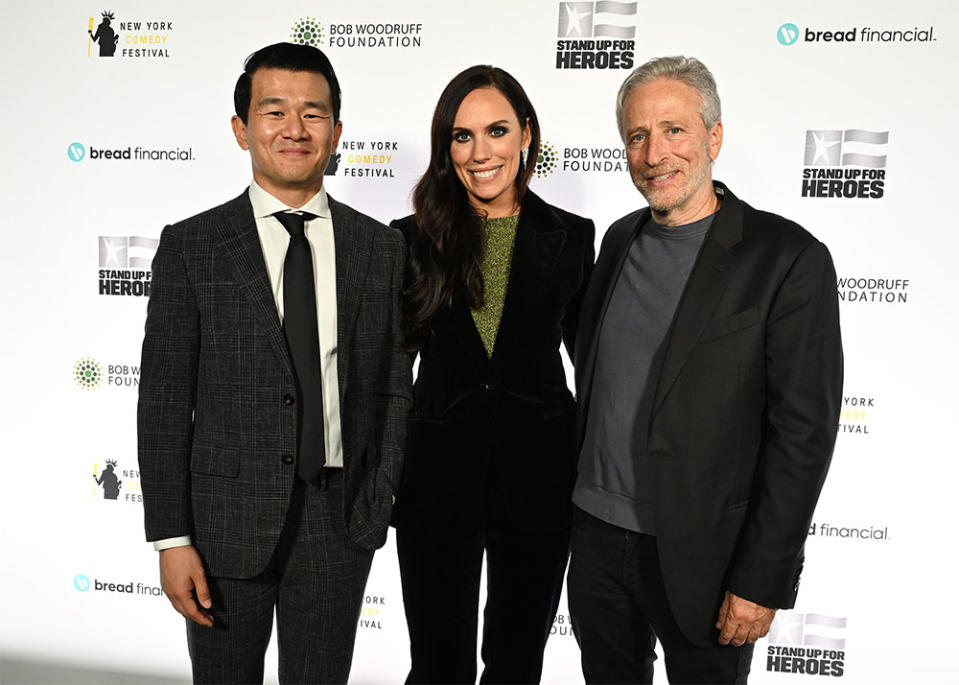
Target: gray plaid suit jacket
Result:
[[214, 433]]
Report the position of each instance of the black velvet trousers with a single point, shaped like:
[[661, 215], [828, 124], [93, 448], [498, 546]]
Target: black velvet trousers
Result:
[[441, 583]]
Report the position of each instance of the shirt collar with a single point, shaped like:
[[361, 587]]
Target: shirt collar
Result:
[[265, 204]]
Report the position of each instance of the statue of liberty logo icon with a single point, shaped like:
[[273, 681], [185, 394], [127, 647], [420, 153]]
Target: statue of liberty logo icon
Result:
[[105, 35], [108, 481]]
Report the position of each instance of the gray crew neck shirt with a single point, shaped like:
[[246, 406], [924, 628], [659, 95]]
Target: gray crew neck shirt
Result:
[[613, 482]]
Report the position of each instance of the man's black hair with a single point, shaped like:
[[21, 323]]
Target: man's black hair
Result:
[[291, 57]]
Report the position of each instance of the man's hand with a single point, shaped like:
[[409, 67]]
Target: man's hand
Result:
[[741, 621], [181, 572]]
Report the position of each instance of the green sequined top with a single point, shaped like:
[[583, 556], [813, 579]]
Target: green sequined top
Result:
[[500, 236]]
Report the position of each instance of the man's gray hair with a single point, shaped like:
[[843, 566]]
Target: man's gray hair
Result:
[[688, 70]]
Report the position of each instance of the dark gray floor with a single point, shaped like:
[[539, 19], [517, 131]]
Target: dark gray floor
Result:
[[19, 672]]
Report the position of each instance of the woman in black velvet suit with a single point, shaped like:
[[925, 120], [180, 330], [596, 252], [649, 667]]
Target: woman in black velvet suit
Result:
[[494, 285]]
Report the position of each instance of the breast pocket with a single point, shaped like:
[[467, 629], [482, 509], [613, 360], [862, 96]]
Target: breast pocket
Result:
[[729, 324]]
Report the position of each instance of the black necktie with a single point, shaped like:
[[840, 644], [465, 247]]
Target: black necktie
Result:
[[302, 337]]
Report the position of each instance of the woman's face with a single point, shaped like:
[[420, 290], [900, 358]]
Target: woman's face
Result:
[[485, 150]]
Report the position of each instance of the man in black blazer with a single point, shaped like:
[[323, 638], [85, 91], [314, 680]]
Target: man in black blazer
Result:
[[274, 393], [709, 374]]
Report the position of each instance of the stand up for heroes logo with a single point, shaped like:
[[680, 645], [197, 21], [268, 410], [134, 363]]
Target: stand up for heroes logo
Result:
[[807, 644], [125, 263], [596, 35], [846, 163]]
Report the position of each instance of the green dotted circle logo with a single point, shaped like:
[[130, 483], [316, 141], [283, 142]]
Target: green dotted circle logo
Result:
[[307, 31], [546, 161], [88, 373]]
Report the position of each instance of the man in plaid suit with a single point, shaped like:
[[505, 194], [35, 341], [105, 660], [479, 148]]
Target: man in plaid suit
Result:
[[248, 521]]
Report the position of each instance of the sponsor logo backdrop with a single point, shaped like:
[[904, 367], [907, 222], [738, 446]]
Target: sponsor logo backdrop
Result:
[[839, 116]]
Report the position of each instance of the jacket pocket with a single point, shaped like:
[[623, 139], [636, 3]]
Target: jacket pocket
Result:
[[729, 324], [216, 461]]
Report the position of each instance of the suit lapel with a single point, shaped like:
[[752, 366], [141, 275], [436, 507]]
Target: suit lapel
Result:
[[463, 328], [535, 252], [354, 248], [239, 238], [706, 285]]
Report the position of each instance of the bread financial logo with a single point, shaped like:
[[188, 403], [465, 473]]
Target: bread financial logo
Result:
[[125, 263], [846, 164], [596, 35], [831, 530], [147, 38], [76, 152], [807, 644], [787, 34], [82, 583]]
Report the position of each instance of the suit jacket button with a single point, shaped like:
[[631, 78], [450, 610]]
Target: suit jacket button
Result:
[[288, 400], [287, 458]]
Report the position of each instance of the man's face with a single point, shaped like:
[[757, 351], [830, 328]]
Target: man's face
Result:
[[290, 131], [670, 152]]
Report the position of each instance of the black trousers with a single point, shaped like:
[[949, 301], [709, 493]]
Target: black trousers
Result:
[[618, 607], [440, 573], [314, 581]]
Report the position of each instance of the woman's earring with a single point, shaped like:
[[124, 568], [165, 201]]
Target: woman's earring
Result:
[[524, 155]]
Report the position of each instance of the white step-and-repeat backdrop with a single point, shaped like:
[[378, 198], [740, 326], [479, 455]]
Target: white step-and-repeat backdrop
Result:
[[839, 115]]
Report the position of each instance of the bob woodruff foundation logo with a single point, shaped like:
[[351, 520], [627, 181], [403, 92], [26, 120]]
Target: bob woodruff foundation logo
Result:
[[87, 373], [546, 160], [310, 31], [307, 31], [583, 160]]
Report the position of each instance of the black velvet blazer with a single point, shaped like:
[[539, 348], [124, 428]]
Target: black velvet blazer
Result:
[[493, 439]]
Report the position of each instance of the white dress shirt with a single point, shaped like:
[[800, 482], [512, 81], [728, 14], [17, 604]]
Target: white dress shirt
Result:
[[274, 240]]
